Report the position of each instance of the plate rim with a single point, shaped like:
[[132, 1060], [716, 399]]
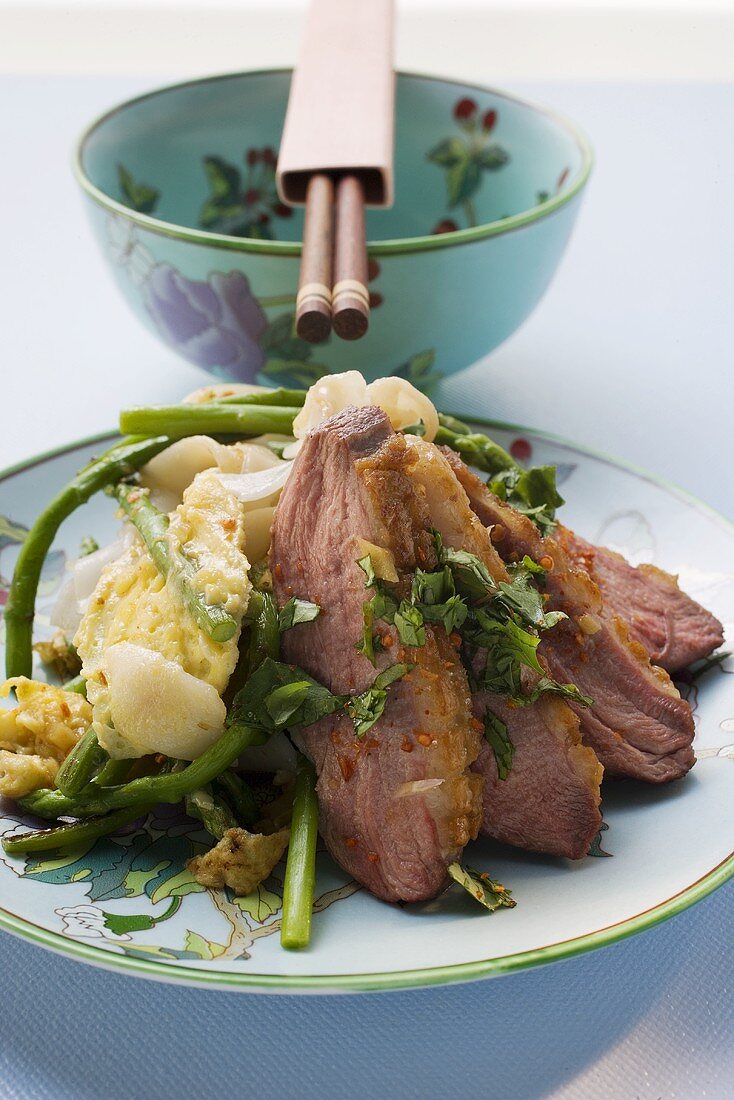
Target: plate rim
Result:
[[389, 980]]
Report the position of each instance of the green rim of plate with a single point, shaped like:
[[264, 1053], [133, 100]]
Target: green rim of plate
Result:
[[426, 976], [398, 245]]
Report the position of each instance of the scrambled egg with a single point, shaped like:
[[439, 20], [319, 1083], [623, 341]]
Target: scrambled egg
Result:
[[240, 860], [38, 734], [132, 603]]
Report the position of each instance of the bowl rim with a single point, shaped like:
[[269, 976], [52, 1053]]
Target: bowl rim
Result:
[[391, 246]]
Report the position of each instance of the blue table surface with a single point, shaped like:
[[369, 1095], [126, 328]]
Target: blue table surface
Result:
[[630, 353]]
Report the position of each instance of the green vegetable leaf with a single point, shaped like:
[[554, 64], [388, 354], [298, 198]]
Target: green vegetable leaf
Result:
[[487, 891], [470, 574], [409, 625], [435, 595], [366, 644], [383, 605], [297, 611], [365, 564], [260, 703], [283, 702], [546, 686], [532, 492], [496, 734], [391, 674], [367, 708]]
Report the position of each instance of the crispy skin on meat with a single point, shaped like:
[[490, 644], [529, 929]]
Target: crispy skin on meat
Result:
[[397, 806], [673, 628], [549, 801], [638, 724]]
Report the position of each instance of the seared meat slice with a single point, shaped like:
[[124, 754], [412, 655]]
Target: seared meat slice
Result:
[[638, 724], [673, 628], [549, 800], [397, 806]]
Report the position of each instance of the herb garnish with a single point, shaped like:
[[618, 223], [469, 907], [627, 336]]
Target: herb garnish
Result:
[[532, 492], [278, 695], [297, 611], [487, 891], [496, 734]]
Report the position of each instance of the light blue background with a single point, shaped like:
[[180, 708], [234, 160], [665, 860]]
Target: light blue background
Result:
[[630, 352]]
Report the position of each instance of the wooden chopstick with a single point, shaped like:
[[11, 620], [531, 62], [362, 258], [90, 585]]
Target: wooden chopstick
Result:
[[350, 304], [313, 303], [334, 248]]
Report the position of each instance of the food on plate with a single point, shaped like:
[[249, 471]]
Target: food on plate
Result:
[[319, 617], [637, 723]]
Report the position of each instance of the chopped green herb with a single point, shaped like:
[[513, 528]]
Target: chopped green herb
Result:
[[297, 611], [283, 702], [487, 891], [496, 733], [260, 702], [532, 492], [277, 696], [365, 564], [365, 709], [366, 644], [409, 625]]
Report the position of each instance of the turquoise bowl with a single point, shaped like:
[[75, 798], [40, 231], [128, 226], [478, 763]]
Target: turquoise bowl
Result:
[[180, 190]]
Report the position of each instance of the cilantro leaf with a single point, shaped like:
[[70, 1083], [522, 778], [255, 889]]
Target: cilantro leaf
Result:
[[297, 611], [283, 702], [391, 674], [261, 702], [365, 564], [366, 644], [496, 734], [532, 492], [409, 624], [546, 686], [367, 708], [470, 574], [487, 891]]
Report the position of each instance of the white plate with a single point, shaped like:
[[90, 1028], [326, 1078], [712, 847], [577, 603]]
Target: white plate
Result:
[[128, 904]]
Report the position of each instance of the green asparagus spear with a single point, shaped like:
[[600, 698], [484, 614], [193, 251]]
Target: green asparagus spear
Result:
[[173, 564], [148, 789], [211, 418], [73, 835], [292, 398], [214, 814], [78, 685], [81, 764], [113, 772], [239, 796], [300, 871], [120, 461]]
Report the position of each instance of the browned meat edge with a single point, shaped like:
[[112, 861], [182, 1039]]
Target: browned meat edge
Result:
[[638, 724], [399, 805]]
